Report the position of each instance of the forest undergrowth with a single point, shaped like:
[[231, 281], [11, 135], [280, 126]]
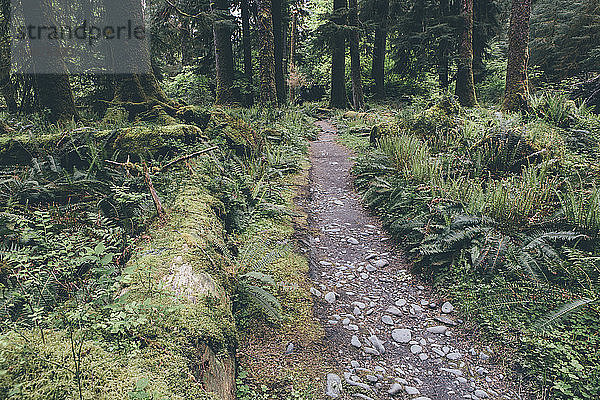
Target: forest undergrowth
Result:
[[500, 212]]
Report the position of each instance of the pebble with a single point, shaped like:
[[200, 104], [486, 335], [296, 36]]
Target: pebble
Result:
[[334, 385], [371, 378], [330, 298], [402, 335], [352, 240], [394, 311], [400, 303], [411, 390], [447, 308], [453, 356], [416, 349], [481, 394], [315, 292], [386, 319], [453, 371], [380, 263], [377, 343], [395, 389], [355, 342], [441, 329]]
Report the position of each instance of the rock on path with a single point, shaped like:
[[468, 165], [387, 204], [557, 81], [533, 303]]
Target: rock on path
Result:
[[383, 324]]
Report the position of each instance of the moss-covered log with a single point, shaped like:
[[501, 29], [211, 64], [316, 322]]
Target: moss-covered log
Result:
[[175, 288]]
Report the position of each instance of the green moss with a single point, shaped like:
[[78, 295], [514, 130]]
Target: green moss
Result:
[[236, 133], [33, 369], [155, 139]]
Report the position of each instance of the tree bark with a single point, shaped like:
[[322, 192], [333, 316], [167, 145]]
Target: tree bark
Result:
[[278, 50], [53, 90], [266, 53], [443, 67], [516, 94], [358, 99], [247, 45], [465, 86], [379, 47], [6, 84], [338, 57], [226, 93]]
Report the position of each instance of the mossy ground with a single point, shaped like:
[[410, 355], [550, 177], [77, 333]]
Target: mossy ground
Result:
[[262, 348]]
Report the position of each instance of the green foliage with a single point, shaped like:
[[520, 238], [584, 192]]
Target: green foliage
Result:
[[517, 240], [190, 87]]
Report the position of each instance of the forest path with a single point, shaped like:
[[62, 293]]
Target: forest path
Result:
[[392, 337]]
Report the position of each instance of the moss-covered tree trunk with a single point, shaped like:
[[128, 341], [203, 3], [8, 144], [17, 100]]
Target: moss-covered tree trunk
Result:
[[358, 100], [6, 83], [222, 30], [516, 93], [379, 46], [266, 53], [465, 85], [338, 57], [278, 47], [52, 86], [443, 67], [247, 46]]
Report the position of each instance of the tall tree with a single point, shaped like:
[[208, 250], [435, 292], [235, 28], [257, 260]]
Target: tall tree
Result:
[[382, 8], [6, 84], [338, 56], [278, 47], [247, 45], [516, 94], [222, 30], [358, 100], [139, 91], [443, 66], [266, 53], [465, 85], [52, 86]]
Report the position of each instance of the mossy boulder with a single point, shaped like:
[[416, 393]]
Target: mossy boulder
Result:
[[381, 130], [235, 132], [194, 115], [155, 140]]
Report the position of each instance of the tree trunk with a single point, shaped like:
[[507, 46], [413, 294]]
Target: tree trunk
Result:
[[52, 87], [358, 99], [338, 57], [379, 47], [187, 49], [278, 50], [516, 94], [222, 29], [266, 53], [465, 86], [6, 83], [443, 67], [247, 45]]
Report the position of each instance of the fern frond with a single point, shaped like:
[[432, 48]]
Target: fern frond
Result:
[[550, 320], [264, 300]]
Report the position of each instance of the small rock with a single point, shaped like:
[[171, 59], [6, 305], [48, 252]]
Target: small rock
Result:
[[447, 308], [453, 356], [437, 329], [395, 389], [481, 394], [416, 349], [370, 350], [453, 371], [394, 311], [400, 303], [411, 390], [334, 385], [371, 378], [402, 335], [386, 319], [352, 240], [355, 342], [315, 292], [380, 263], [330, 297], [290, 348], [377, 343]]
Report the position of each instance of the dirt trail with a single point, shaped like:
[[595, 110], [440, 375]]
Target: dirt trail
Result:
[[392, 336]]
